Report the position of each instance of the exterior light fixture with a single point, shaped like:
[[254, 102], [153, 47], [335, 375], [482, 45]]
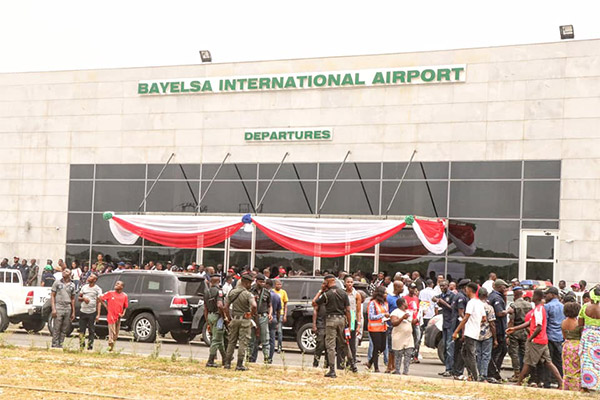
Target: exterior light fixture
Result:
[[206, 57], [567, 32]]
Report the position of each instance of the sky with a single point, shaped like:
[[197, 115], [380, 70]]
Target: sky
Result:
[[68, 35]]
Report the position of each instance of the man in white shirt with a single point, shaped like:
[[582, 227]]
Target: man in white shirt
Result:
[[390, 288], [474, 315], [489, 284], [425, 296]]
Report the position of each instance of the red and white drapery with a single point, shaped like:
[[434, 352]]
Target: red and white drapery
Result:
[[322, 237]]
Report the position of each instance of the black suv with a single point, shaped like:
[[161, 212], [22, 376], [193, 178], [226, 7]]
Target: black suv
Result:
[[159, 303]]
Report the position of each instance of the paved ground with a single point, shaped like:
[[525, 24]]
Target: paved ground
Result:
[[429, 366]]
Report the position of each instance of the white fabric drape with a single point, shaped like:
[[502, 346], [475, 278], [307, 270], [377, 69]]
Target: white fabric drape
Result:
[[326, 230], [168, 223]]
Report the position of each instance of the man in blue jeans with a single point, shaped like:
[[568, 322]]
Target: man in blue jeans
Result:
[[444, 303], [276, 303]]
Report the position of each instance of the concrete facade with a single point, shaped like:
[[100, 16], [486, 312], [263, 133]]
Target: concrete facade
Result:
[[525, 102]]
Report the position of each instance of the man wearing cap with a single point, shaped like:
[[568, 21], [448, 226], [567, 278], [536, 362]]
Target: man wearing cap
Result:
[[120, 267], [337, 308], [517, 312], [265, 315], [243, 308], [459, 304], [554, 311], [497, 299], [214, 315]]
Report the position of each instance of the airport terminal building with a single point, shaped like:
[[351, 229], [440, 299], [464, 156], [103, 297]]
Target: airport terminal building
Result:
[[503, 142]]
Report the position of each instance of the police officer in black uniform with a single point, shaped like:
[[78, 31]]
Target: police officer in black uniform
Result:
[[337, 307], [264, 316], [214, 315]]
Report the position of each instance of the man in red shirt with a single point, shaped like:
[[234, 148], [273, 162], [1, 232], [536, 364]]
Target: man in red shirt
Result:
[[412, 300], [115, 302], [536, 347]]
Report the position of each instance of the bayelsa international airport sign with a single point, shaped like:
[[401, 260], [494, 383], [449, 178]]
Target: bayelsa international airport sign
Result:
[[306, 80]]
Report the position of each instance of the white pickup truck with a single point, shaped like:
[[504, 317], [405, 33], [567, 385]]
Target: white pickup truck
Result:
[[21, 304]]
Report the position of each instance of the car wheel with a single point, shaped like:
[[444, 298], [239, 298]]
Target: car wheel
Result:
[[441, 349], [144, 328], [34, 326], [3, 319], [306, 339], [206, 334], [182, 337], [51, 326]]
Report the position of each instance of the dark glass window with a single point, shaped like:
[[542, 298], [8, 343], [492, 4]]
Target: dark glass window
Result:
[[540, 224], [349, 198], [404, 242], [350, 170], [288, 197], [77, 253], [285, 259], [486, 170], [213, 258], [228, 171], [478, 270], [540, 247], [118, 196], [241, 240], [240, 258], [433, 170], [78, 228], [407, 265], [171, 196], [80, 195], [541, 199], [362, 263], [414, 198], [102, 235], [539, 271], [114, 254], [173, 171], [485, 199], [229, 197], [120, 171], [305, 171], [542, 169], [332, 264], [179, 257], [481, 238], [84, 171]]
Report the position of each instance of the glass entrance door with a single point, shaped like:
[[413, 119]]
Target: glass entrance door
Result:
[[538, 255]]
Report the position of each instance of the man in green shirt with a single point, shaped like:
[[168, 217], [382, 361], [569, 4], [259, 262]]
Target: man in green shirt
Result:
[[243, 308]]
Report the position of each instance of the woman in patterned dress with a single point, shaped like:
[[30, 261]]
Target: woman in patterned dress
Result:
[[570, 351], [589, 318]]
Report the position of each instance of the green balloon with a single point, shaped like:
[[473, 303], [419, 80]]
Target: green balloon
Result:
[[409, 220], [107, 215]]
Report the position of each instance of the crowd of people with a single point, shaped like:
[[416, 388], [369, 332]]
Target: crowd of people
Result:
[[552, 339]]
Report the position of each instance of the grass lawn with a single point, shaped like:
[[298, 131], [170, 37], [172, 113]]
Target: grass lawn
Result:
[[95, 375]]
